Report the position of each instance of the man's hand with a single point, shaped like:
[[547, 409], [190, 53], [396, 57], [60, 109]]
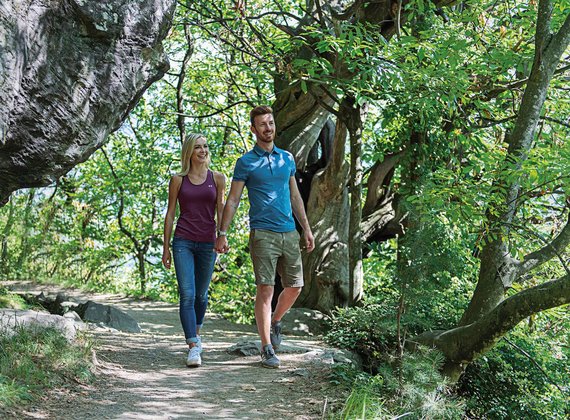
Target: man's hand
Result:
[[221, 246], [309, 240]]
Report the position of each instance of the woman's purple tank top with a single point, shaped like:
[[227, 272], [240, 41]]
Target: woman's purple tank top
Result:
[[197, 205]]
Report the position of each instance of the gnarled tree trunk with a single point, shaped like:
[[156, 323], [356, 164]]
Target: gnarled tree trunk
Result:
[[300, 118], [326, 268]]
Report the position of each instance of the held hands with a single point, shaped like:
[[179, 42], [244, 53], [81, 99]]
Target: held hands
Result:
[[166, 257], [221, 246]]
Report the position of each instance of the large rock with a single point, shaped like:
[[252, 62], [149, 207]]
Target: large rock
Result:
[[70, 72], [303, 321], [11, 319], [115, 318]]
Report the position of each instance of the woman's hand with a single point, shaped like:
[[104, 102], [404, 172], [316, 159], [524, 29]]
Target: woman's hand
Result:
[[166, 257], [221, 246]]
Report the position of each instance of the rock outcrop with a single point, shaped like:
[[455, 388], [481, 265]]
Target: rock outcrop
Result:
[[104, 315], [70, 72], [12, 319]]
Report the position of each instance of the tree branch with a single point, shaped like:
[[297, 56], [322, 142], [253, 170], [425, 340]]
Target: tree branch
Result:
[[323, 104], [493, 93], [465, 343], [180, 85], [543, 27], [216, 112], [549, 251], [378, 179], [121, 203], [557, 44]]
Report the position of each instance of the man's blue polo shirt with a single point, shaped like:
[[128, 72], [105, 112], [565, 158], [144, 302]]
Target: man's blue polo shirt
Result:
[[266, 176]]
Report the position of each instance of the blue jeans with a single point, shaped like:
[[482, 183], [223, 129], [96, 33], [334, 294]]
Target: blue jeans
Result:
[[194, 265]]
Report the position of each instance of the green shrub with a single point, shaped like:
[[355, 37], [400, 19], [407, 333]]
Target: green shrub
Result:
[[411, 387], [365, 401], [369, 330], [507, 383]]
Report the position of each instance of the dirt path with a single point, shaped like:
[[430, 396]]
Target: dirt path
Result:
[[143, 375]]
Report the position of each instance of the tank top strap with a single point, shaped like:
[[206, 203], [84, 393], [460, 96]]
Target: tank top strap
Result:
[[210, 177], [182, 184]]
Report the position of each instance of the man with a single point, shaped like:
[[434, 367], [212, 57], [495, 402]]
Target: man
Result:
[[269, 174]]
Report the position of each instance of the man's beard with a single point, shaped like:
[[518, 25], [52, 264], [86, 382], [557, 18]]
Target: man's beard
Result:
[[268, 138]]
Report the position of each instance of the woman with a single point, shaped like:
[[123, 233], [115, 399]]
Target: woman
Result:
[[200, 194]]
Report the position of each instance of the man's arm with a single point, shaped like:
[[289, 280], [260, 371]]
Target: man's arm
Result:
[[299, 212], [230, 208]]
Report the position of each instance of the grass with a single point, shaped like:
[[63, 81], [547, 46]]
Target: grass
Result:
[[363, 403], [33, 360], [11, 300]]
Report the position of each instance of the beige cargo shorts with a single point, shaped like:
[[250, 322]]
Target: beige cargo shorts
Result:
[[279, 252]]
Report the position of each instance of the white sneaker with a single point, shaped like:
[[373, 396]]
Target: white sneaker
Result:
[[199, 343], [194, 359]]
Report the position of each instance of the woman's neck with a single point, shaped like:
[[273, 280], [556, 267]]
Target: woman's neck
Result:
[[198, 169]]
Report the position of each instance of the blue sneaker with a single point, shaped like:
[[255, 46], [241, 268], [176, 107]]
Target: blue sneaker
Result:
[[268, 358], [275, 335]]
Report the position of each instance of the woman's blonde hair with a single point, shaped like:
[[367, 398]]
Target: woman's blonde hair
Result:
[[187, 150]]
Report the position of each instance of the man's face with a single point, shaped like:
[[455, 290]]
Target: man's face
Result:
[[264, 128]]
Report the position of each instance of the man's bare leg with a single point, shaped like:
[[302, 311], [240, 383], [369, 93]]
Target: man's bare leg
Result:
[[286, 300], [263, 312]]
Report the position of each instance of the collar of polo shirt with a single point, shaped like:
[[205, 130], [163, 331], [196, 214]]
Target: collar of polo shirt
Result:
[[261, 152]]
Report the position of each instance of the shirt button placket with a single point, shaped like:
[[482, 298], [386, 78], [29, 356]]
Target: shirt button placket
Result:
[[269, 163]]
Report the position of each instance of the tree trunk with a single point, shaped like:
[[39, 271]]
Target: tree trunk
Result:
[[354, 115], [489, 315], [300, 118], [303, 126], [142, 271], [4, 265], [495, 278], [326, 268], [299, 121], [27, 225]]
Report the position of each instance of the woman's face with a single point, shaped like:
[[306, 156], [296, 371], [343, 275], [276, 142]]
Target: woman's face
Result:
[[200, 153]]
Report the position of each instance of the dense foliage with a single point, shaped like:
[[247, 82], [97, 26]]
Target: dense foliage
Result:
[[453, 78]]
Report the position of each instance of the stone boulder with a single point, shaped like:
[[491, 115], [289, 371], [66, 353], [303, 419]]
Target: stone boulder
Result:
[[11, 319], [110, 316], [253, 348], [303, 321], [245, 348], [331, 356], [70, 72], [58, 305]]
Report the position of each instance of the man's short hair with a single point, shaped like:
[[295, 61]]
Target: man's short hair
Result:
[[259, 110]]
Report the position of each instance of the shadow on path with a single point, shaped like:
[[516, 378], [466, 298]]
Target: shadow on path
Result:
[[143, 375]]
